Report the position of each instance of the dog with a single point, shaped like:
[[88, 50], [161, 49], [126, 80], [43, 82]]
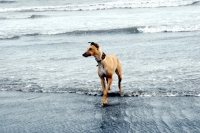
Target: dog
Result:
[[107, 65]]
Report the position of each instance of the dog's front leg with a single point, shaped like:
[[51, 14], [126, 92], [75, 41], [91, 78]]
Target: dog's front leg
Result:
[[103, 83], [105, 91], [103, 86]]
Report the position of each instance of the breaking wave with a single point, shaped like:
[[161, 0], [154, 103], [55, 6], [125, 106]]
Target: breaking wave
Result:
[[128, 30], [102, 6], [33, 16], [8, 37], [134, 30], [6, 2]]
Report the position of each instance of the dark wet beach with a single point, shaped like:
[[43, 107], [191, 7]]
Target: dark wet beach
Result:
[[69, 112]]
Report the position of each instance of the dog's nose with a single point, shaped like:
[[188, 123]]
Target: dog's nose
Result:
[[84, 54]]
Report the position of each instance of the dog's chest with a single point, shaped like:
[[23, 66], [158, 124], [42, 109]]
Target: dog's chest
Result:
[[102, 71]]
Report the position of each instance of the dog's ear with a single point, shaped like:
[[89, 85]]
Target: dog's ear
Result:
[[95, 44]]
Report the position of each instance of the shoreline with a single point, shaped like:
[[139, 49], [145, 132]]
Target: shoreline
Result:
[[70, 112]]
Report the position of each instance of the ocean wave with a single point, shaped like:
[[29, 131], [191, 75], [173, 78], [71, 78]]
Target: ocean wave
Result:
[[104, 6], [135, 30], [8, 37], [33, 16], [157, 29], [36, 16], [101, 31], [6, 2], [126, 30], [195, 3]]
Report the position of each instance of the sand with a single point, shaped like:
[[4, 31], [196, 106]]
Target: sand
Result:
[[22, 112]]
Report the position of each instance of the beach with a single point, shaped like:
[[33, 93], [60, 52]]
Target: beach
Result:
[[46, 85], [70, 112]]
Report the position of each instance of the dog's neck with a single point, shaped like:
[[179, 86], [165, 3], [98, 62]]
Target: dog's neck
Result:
[[100, 56]]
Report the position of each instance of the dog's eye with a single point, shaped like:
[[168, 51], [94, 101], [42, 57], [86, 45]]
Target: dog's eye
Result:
[[90, 49]]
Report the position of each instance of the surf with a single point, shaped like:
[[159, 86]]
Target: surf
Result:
[[125, 30], [101, 6]]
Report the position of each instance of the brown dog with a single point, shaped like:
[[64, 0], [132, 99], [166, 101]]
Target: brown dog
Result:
[[107, 65]]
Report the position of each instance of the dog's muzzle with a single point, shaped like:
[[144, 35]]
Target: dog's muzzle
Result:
[[85, 55]]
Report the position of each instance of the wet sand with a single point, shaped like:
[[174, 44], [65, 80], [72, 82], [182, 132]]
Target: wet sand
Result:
[[70, 112]]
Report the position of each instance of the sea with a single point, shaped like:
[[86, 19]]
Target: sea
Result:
[[157, 42]]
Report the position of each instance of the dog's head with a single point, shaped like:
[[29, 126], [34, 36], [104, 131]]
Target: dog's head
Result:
[[92, 50]]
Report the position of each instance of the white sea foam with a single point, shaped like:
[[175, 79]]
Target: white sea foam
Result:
[[32, 16], [151, 29], [104, 6], [4, 36], [129, 30]]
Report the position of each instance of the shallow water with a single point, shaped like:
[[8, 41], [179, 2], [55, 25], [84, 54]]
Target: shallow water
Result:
[[157, 43], [153, 63]]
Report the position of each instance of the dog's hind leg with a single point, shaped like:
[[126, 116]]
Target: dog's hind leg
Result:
[[119, 82], [119, 74]]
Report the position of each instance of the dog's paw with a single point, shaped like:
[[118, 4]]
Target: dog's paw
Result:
[[104, 102], [104, 105]]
